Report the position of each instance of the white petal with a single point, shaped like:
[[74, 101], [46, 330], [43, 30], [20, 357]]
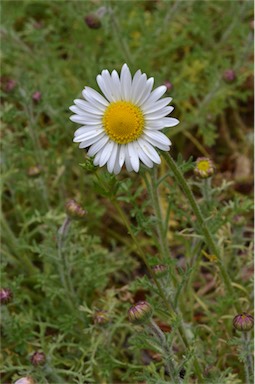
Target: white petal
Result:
[[158, 136], [135, 80], [97, 158], [170, 121], [104, 83], [116, 84], [138, 87], [84, 114], [133, 156], [122, 155], [147, 91], [106, 153], [158, 114], [142, 155], [127, 160], [94, 97], [149, 107], [112, 159], [117, 167], [90, 141], [125, 82], [155, 143], [156, 94], [86, 128], [84, 120], [95, 148], [88, 135], [87, 107], [149, 150]]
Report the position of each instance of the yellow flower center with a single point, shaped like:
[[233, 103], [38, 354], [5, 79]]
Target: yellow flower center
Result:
[[123, 122], [203, 165]]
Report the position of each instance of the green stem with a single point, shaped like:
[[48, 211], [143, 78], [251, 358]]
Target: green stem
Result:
[[162, 233], [248, 363], [171, 369], [63, 264], [203, 226], [168, 303]]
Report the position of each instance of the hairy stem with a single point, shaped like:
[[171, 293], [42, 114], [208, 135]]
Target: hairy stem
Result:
[[168, 303], [216, 252], [171, 369]]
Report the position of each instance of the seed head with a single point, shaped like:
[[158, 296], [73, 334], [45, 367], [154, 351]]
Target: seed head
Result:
[[160, 270], [229, 75], [38, 358], [101, 318], [25, 380], [243, 322], [204, 168], [5, 295], [140, 312], [74, 210]]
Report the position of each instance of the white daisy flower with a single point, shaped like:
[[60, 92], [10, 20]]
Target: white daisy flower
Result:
[[124, 125]]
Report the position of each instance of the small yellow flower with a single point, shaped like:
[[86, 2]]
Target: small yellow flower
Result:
[[204, 168]]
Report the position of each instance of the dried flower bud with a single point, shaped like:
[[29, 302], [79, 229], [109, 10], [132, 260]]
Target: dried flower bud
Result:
[[74, 210], [34, 171], [204, 168], [238, 221], [101, 318], [140, 312], [229, 75], [168, 85], [38, 358], [160, 270], [7, 84], [243, 322], [37, 96], [93, 21], [182, 373], [25, 380], [5, 295]]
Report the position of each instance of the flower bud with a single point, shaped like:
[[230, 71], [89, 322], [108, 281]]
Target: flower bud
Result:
[[7, 84], [25, 380], [34, 171], [5, 295], [168, 85], [229, 75], [38, 358], [182, 373], [101, 318], [243, 322], [74, 210], [93, 21], [160, 270], [204, 168], [37, 96], [140, 312], [238, 221]]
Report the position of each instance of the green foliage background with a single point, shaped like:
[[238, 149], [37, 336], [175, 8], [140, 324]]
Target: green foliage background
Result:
[[47, 47]]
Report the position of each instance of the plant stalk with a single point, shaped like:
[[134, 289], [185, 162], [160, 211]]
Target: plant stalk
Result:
[[203, 226]]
